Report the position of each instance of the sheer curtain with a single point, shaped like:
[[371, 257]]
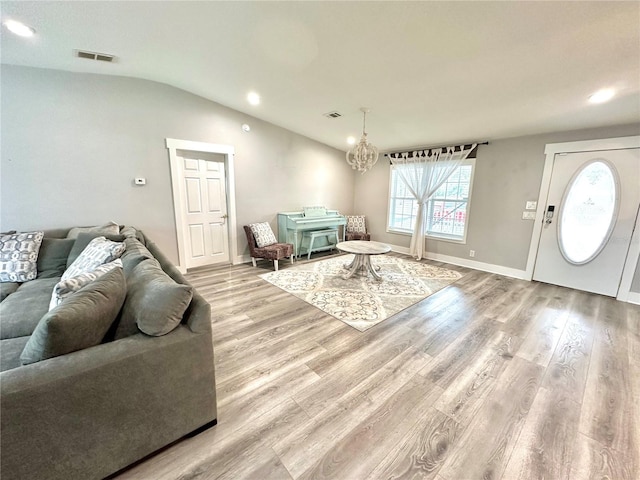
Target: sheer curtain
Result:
[[423, 172]]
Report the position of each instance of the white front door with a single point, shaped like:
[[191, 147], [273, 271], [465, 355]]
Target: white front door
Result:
[[590, 215], [204, 211]]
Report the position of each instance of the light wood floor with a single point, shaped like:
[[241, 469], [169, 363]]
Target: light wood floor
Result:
[[490, 378]]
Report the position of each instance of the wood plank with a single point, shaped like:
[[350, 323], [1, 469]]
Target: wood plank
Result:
[[608, 402], [311, 439], [592, 460], [545, 445], [354, 370], [487, 443], [461, 353], [540, 342], [567, 371], [468, 392], [376, 434], [423, 450]]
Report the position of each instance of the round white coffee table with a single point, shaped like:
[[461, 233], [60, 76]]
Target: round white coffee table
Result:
[[362, 251]]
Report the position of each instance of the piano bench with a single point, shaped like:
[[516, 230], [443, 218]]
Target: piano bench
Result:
[[320, 233]]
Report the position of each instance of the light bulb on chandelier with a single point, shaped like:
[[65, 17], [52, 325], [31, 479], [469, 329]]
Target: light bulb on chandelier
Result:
[[363, 155]]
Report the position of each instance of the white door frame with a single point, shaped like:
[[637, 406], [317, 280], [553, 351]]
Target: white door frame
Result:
[[178, 201], [551, 150]]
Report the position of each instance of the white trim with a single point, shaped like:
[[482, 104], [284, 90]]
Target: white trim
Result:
[[551, 150], [463, 262], [618, 143], [634, 297], [228, 151], [174, 144], [538, 222], [630, 264]]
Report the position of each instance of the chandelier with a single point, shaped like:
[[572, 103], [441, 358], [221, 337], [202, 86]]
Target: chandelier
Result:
[[363, 155]]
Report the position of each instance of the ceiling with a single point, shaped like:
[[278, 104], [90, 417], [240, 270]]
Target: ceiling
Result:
[[431, 72]]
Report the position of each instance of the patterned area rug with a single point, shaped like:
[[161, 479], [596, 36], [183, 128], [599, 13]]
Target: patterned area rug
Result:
[[360, 301]]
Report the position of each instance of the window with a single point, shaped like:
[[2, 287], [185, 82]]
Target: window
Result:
[[447, 210]]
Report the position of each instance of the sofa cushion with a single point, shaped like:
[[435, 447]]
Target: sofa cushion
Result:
[[81, 321], [66, 287], [21, 311], [52, 259], [155, 303], [98, 251], [7, 288], [19, 256], [134, 253], [109, 228], [263, 234], [10, 350], [83, 240]]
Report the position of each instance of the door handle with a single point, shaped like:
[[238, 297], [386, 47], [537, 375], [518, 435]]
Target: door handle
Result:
[[225, 216]]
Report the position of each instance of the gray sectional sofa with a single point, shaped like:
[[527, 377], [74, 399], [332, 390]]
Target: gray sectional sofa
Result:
[[92, 412]]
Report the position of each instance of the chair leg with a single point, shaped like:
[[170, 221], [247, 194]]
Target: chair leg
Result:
[[291, 256], [275, 265], [253, 260]]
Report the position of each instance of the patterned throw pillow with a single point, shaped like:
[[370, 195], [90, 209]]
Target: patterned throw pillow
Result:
[[355, 224], [99, 251], [66, 287], [19, 256], [263, 233]]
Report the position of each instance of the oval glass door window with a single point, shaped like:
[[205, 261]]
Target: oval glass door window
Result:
[[588, 212]]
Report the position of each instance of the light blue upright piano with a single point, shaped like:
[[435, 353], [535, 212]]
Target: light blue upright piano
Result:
[[292, 225]]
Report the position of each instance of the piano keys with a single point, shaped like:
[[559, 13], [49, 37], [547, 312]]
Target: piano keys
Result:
[[291, 225]]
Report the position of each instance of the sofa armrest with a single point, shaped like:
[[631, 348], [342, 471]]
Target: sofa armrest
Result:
[[93, 412]]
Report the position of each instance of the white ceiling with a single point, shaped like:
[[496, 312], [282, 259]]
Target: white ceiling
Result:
[[431, 72]]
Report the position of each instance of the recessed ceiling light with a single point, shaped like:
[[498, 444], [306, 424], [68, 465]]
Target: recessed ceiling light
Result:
[[602, 96], [253, 98], [19, 28], [351, 140]]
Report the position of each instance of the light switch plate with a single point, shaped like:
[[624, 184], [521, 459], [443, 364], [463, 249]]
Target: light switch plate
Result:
[[528, 215], [531, 205], [140, 181]]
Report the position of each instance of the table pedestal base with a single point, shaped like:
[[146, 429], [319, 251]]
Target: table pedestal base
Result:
[[361, 261]]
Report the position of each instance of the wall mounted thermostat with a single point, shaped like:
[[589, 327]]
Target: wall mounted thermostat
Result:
[[140, 181]]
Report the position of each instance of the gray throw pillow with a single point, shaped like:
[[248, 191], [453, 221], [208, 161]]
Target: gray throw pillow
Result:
[[109, 228], [134, 253], [155, 302], [19, 256], [52, 259], [81, 321]]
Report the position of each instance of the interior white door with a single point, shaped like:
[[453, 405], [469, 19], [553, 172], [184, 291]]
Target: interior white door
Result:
[[591, 212], [205, 231]]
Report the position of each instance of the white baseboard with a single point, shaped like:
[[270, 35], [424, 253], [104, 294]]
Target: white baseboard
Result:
[[463, 262], [633, 297], [241, 259]]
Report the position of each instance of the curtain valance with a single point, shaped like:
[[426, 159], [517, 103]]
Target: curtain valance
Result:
[[430, 152]]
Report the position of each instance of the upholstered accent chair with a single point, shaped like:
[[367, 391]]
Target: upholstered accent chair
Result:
[[274, 251], [356, 228]]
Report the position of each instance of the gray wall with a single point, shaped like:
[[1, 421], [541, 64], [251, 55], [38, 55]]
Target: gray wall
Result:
[[72, 144], [508, 173]]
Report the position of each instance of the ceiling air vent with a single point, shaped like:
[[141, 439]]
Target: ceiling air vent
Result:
[[332, 115], [102, 57]]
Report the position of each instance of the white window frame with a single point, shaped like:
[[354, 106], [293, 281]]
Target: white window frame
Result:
[[442, 237]]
